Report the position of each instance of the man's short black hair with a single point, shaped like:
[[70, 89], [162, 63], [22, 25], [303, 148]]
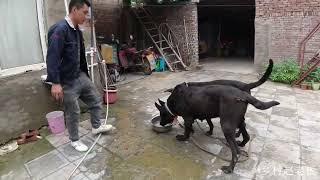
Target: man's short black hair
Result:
[[78, 4]]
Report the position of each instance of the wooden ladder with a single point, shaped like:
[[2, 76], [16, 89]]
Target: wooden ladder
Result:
[[162, 37]]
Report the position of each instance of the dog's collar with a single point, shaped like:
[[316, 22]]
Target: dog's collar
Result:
[[166, 106]]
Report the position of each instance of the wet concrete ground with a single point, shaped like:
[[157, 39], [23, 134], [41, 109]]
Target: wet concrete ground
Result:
[[285, 139]]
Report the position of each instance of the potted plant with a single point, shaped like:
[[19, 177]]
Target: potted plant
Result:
[[304, 85], [315, 75], [309, 81], [315, 85]]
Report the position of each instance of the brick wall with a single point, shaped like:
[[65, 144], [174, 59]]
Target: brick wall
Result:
[[107, 14], [175, 17], [279, 8], [282, 25]]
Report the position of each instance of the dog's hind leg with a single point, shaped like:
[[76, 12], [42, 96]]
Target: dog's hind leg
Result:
[[230, 137], [191, 130], [236, 145], [238, 133], [239, 128], [187, 129], [245, 135], [231, 115], [209, 133]]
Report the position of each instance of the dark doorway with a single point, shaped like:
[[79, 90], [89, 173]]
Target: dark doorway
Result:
[[226, 29]]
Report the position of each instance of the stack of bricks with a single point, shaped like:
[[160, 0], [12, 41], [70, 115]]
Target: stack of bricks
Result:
[[281, 25]]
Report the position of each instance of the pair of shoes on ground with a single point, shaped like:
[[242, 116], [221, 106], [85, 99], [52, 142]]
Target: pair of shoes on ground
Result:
[[79, 146], [29, 136]]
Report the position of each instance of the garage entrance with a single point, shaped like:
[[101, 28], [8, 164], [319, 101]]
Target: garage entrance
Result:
[[226, 30]]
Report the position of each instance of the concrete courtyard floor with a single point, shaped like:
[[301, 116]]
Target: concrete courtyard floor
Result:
[[285, 139]]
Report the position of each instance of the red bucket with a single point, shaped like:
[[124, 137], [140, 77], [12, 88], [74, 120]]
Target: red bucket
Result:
[[112, 95]]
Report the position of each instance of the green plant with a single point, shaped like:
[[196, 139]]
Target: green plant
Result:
[[285, 71], [315, 75]]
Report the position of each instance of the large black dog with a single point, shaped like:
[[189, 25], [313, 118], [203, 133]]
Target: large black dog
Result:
[[206, 102], [242, 86]]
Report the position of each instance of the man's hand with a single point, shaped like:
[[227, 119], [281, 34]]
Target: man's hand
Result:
[[56, 92]]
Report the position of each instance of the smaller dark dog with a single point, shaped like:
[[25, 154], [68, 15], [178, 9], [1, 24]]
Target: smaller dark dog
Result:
[[226, 102], [243, 87]]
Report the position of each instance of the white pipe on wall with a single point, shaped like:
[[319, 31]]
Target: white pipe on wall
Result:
[[66, 6], [42, 29]]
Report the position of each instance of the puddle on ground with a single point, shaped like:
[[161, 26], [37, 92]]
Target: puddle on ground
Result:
[[147, 160], [157, 164]]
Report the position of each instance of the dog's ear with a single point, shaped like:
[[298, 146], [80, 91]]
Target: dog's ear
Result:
[[161, 102], [169, 90], [158, 106], [186, 84]]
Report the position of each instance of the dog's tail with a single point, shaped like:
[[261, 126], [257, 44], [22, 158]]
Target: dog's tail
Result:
[[260, 104], [263, 79]]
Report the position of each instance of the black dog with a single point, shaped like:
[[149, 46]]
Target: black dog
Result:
[[242, 86], [206, 102]]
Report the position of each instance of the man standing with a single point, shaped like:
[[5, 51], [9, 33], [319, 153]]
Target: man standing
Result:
[[67, 70]]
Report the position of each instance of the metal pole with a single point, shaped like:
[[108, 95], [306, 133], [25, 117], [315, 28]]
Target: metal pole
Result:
[[92, 48], [92, 19], [186, 35], [187, 40], [66, 6]]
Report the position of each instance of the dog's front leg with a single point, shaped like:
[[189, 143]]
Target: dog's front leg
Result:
[[187, 129]]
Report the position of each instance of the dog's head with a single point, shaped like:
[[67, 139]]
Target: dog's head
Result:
[[177, 87], [166, 116], [177, 93]]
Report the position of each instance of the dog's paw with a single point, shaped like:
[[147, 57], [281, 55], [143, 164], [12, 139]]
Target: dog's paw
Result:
[[209, 133], [227, 169], [181, 138], [241, 144]]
